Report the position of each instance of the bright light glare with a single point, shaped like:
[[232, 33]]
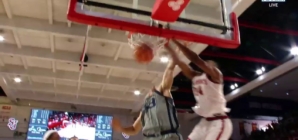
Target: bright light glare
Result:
[[259, 72], [236, 85], [164, 59], [1, 38], [294, 51], [232, 87], [137, 92], [17, 80], [263, 69]]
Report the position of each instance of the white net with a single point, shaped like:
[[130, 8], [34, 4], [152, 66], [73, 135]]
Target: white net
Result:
[[137, 39]]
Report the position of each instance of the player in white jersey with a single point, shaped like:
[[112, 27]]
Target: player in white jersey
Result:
[[208, 92]]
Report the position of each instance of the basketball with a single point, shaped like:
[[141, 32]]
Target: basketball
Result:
[[143, 54]]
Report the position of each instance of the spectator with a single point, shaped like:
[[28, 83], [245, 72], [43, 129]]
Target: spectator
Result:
[[286, 129], [51, 135]]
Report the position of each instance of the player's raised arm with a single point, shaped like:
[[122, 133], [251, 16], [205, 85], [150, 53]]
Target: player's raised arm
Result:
[[186, 70], [209, 69], [131, 130], [167, 80]]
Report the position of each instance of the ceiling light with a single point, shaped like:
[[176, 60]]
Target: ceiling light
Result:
[[17, 79], [259, 72], [164, 59], [294, 51], [232, 87], [276, 84], [287, 93], [263, 69], [137, 92], [261, 90], [1, 38], [236, 85]]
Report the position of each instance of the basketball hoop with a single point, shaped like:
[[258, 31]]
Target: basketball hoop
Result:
[[154, 42]]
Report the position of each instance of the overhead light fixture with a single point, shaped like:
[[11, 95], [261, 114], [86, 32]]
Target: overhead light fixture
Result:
[[164, 56], [234, 86], [17, 79], [1, 38], [261, 90], [294, 51], [263, 69], [260, 71], [164, 59], [287, 93], [276, 84], [137, 92]]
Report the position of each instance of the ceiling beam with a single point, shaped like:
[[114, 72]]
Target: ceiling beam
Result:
[[52, 43], [59, 29], [69, 24], [7, 8], [70, 90], [135, 5], [24, 62], [104, 102], [96, 60], [118, 52], [50, 11], [16, 38], [74, 76]]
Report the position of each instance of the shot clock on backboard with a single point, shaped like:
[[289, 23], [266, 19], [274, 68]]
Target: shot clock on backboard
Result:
[[273, 3]]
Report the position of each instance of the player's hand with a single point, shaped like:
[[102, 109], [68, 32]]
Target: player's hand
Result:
[[116, 125]]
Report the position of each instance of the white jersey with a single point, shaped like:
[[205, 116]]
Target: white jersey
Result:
[[209, 96]]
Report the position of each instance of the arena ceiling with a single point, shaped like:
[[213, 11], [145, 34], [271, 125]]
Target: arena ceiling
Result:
[[267, 37], [41, 56]]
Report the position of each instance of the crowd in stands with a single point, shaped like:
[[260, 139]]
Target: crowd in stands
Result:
[[285, 129]]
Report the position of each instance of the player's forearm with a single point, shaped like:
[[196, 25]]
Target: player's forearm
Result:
[[167, 80], [130, 130], [171, 66], [192, 56]]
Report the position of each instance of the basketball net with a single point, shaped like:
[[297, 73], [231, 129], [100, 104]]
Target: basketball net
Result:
[[154, 42]]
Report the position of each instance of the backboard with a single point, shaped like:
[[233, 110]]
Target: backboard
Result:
[[209, 22]]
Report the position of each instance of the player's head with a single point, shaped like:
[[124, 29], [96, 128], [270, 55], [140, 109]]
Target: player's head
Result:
[[51, 135], [212, 63]]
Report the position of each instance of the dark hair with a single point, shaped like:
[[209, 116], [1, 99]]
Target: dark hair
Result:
[[51, 135]]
